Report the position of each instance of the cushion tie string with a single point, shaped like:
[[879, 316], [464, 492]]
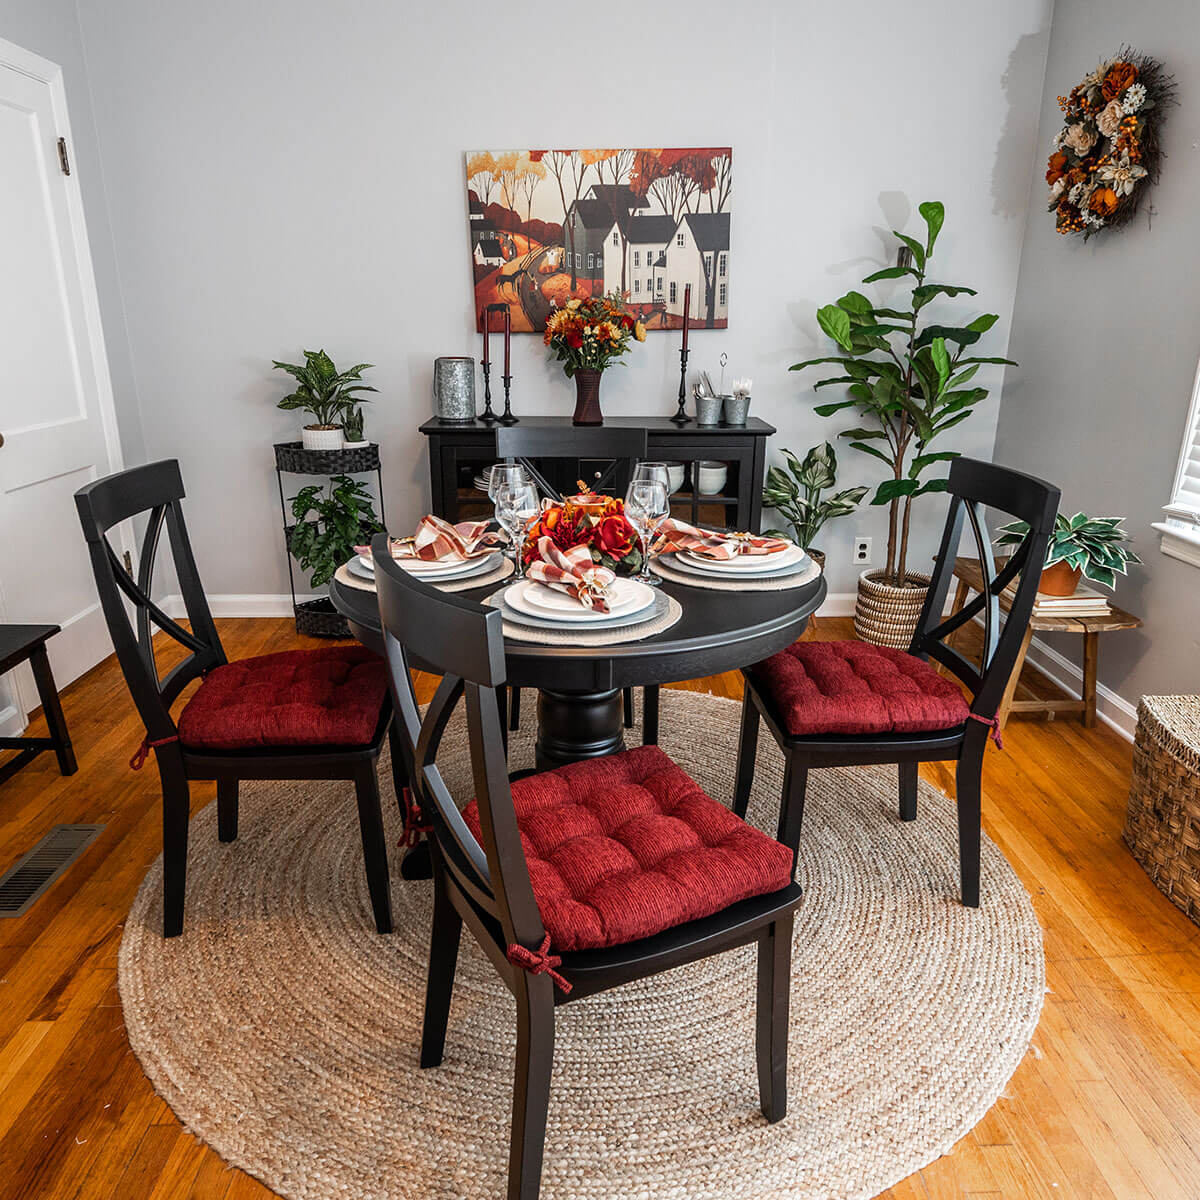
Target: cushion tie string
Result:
[[538, 962], [143, 751], [415, 826], [994, 722]]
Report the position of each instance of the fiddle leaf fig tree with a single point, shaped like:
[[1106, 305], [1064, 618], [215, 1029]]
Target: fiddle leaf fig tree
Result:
[[907, 382]]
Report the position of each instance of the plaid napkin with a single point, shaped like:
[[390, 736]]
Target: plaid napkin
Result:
[[678, 535], [437, 540], [572, 571]]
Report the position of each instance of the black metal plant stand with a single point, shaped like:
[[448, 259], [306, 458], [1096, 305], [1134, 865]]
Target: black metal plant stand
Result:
[[681, 418], [318, 618]]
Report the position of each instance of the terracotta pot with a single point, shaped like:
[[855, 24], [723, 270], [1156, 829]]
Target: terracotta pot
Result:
[[1059, 580], [886, 615], [587, 398]]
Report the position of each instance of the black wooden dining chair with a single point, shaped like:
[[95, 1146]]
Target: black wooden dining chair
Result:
[[576, 880], [607, 455], [835, 704], [299, 714]]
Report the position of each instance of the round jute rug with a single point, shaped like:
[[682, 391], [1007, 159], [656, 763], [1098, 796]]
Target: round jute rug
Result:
[[284, 1031]]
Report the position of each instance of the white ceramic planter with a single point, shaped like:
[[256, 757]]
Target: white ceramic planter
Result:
[[321, 439]]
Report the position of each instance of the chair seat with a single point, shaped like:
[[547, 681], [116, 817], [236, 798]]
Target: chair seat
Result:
[[626, 846], [328, 697], [856, 688]]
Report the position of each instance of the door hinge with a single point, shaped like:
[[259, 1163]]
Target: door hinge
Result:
[[128, 560], [63, 159]]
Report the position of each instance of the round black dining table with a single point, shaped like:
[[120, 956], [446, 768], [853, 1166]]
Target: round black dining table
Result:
[[579, 702]]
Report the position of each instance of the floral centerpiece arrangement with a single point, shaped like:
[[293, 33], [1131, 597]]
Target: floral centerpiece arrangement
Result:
[[592, 520], [587, 336], [1107, 151]]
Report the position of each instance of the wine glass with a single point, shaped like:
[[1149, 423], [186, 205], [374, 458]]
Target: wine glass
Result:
[[647, 503], [653, 472], [505, 475], [516, 506]]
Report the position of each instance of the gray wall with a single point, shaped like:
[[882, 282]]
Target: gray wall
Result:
[[51, 28], [1108, 335], [290, 174]]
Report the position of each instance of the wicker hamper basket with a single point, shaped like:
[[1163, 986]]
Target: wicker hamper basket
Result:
[[1162, 825]]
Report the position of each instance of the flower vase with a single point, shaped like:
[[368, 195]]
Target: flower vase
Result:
[[587, 398]]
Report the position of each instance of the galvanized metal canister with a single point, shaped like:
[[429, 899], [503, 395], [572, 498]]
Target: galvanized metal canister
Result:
[[454, 389]]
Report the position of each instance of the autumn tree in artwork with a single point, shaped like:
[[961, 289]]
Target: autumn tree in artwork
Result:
[[613, 167], [507, 171], [532, 172], [569, 169], [481, 174]]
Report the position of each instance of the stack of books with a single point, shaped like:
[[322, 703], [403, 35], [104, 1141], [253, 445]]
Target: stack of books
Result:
[[1086, 602]]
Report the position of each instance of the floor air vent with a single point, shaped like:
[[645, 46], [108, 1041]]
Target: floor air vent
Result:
[[28, 878]]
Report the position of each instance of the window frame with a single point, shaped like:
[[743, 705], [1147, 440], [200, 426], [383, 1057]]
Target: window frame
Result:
[[1179, 533]]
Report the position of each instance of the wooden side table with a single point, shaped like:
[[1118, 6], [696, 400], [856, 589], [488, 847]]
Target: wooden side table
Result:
[[970, 579]]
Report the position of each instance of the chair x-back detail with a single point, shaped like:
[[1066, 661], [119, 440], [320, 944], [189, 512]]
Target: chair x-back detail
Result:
[[626, 919], [849, 703], [530, 445], [302, 714]]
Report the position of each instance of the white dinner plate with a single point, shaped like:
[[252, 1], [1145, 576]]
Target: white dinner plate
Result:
[[537, 600], [356, 568], [446, 570], [748, 577], [744, 562]]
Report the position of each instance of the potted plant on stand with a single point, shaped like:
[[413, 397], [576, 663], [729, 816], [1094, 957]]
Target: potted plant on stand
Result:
[[1080, 545], [325, 393], [587, 336], [909, 383], [796, 496]]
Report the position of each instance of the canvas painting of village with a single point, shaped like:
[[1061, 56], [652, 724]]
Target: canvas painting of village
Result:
[[549, 225]]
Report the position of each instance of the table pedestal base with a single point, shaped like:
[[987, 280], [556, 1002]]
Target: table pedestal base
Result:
[[575, 725]]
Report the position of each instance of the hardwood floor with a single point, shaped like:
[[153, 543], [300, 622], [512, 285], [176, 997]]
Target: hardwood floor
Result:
[[1106, 1104]]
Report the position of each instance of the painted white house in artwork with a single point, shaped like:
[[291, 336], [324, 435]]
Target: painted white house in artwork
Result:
[[698, 253], [646, 237]]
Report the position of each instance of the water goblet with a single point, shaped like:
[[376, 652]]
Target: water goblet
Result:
[[647, 504]]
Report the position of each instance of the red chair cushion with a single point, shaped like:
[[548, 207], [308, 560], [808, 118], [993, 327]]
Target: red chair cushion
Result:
[[327, 697], [626, 846], [854, 687]]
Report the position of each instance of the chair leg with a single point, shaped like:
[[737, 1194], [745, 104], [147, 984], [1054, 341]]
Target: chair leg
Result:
[[627, 697], [531, 1086], [968, 787], [502, 693], [227, 810], [791, 805], [747, 751], [771, 1035], [908, 791], [370, 821], [514, 709], [439, 987], [176, 808], [52, 710], [650, 715]]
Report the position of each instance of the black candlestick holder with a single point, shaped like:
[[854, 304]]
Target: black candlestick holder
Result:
[[487, 414], [507, 417], [681, 418]]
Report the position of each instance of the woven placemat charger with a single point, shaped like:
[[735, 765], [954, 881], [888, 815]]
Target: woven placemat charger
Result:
[[285, 1032], [1162, 822], [495, 575], [786, 583]]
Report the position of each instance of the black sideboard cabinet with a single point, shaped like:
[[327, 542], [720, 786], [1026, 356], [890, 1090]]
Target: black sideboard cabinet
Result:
[[459, 451]]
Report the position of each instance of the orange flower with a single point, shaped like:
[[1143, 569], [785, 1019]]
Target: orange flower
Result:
[[1103, 202], [1120, 76], [1056, 168]]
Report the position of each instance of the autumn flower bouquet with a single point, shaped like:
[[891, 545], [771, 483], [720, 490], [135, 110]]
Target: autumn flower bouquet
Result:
[[1107, 151], [592, 520], [587, 336]]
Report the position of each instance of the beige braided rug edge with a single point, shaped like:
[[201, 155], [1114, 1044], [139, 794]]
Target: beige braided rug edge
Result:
[[283, 1031]]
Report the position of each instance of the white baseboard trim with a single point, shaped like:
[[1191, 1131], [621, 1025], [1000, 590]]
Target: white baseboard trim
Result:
[[838, 604], [1111, 707], [11, 724], [232, 604]]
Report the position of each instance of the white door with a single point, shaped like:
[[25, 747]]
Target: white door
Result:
[[55, 396]]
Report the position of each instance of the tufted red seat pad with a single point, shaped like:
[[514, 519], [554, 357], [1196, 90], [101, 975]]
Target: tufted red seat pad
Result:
[[626, 846], [854, 687], [327, 697]]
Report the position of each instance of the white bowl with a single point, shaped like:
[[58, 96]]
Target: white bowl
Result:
[[675, 474], [710, 477]]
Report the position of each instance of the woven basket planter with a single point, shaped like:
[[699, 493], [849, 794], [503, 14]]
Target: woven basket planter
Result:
[[885, 615], [318, 618], [1162, 823], [291, 456]]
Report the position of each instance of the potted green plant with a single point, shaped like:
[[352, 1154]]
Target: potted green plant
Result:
[[908, 381], [325, 393], [352, 429], [328, 527], [1080, 545], [796, 496]]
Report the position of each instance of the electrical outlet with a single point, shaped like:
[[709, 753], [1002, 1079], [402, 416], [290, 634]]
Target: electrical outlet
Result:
[[862, 551]]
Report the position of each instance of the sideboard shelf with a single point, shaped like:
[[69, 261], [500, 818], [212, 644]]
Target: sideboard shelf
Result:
[[458, 451]]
